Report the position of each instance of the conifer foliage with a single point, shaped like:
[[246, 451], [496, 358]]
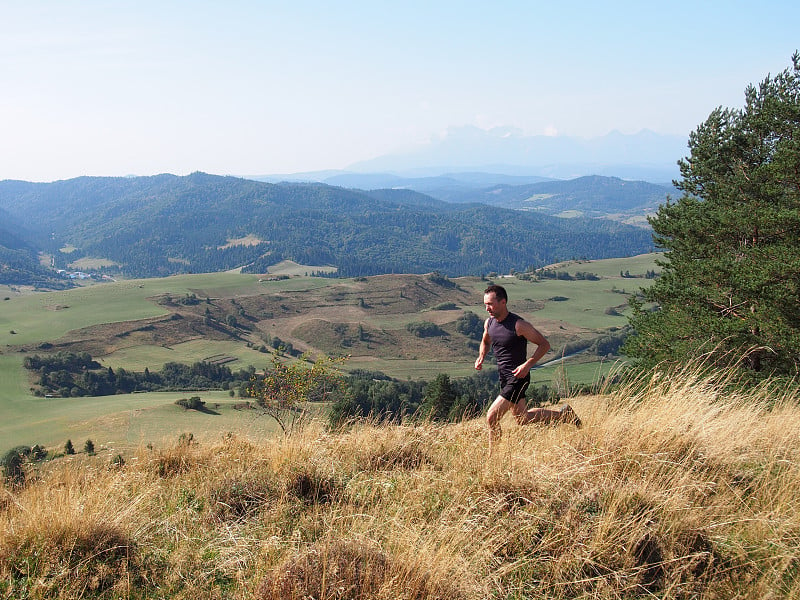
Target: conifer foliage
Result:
[[731, 270]]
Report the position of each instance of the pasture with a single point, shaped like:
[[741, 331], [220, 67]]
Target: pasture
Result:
[[109, 315]]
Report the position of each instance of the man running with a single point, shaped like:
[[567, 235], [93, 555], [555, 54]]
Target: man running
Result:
[[509, 334]]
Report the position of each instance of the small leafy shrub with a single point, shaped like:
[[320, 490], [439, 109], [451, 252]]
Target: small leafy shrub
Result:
[[445, 306], [423, 329], [193, 403], [13, 464]]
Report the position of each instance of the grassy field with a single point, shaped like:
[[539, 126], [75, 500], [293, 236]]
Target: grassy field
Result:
[[106, 317], [676, 490], [136, 358], [120, 422]]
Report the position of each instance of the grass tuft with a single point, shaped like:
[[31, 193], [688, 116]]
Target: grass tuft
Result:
[[77, 557]]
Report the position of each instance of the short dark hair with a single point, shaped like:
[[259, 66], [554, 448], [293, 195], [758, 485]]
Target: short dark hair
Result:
[[498, 290]]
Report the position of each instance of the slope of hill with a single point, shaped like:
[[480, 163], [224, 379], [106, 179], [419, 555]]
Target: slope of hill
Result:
[[678, 492], [199, 223], [19, 263], [589, 196]]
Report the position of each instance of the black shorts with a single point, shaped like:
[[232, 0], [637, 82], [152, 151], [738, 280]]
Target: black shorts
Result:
[[513, 389]]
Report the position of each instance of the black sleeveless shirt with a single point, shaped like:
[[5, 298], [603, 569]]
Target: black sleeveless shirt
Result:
[[510, 350]]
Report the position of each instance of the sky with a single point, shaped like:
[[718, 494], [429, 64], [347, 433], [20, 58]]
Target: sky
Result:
[[111, 88]]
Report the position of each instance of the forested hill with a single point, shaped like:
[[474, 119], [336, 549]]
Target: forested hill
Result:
[[591, 196], [166, 224], [19, 263]]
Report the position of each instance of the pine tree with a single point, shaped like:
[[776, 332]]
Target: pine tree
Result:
[[730, 277], [439, 398]]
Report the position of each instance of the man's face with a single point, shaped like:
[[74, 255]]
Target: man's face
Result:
[[493, 305]]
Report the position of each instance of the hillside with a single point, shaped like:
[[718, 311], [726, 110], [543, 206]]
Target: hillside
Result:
[[19, 263], [153, 226], [613, 198], [591, 196], [682, 491]]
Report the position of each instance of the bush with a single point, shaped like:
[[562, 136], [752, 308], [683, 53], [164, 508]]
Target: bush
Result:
[[193, 403], [423, 329], [14, 465], [445, 306]]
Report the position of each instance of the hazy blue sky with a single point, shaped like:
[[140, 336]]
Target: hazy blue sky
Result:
[[248, 88]]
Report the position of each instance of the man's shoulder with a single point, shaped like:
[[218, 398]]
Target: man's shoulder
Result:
[[518, 320]]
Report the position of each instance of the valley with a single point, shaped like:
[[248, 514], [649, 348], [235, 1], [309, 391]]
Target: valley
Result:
[[241, 318]]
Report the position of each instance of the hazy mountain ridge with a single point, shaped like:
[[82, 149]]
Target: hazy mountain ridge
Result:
[[643, 155], [169, 224], [593, 195]]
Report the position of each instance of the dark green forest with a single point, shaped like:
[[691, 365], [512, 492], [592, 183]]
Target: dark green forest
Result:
[[163, 225]]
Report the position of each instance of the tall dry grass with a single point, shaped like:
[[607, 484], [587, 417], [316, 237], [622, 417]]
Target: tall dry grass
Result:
[[672, 489]]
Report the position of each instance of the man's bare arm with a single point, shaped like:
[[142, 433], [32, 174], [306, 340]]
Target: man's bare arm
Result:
[[484, 347], [533, 335]]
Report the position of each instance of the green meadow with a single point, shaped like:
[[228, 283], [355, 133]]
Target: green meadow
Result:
[[115, 422], [568, 309]]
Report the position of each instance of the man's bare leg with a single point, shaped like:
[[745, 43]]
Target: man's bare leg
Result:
[[499, 407], [523, 415]]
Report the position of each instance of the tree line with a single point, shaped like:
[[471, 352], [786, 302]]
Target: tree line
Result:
[[68, 374]]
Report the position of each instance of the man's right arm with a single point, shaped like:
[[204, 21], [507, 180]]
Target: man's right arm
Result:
[[484, 347]]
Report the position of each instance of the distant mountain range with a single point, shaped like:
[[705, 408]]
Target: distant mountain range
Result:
[[165, 224], [645, 156]]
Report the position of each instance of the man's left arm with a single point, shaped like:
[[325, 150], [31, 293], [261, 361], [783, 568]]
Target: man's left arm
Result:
[[533, 335]]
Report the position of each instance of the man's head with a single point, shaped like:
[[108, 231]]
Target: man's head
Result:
[[498, 290], [495, 299]]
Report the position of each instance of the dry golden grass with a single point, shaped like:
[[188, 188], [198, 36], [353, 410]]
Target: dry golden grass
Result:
[[675, 489]]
